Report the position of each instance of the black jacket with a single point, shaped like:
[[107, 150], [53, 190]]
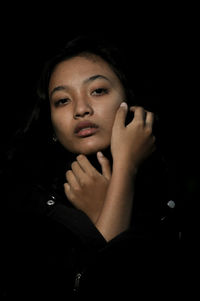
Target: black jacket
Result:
[[52, 250]]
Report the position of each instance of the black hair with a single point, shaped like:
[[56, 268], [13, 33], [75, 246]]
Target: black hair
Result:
[[86, 45]]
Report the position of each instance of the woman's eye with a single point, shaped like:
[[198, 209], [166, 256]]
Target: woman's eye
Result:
[[62, 101], [100, 91]]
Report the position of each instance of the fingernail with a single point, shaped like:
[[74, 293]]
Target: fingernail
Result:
[[123, 104], [100, 154]]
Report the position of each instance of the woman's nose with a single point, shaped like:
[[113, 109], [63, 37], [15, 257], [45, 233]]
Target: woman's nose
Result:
[[82, 108]]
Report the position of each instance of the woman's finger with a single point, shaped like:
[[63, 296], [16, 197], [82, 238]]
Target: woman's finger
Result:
[[85, 164], [139, 113], [77, 170], [149, 119], [67, 189], [70, 194], [72, 180], [105, 165], [121, 114]]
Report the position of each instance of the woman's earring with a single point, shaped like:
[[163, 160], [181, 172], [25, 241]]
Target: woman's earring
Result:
[[54, 138]]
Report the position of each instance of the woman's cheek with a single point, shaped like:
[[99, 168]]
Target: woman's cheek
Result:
[[59, 121]]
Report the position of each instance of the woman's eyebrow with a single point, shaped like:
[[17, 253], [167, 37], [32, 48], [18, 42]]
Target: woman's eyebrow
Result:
[[58, 88], [94, 77], [87, 80]]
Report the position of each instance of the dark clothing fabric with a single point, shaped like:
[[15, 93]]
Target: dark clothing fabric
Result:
[[52, 250]]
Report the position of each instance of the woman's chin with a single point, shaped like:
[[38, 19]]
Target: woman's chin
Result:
[[90, 150]]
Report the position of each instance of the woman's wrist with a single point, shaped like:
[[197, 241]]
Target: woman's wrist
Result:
[[124, 167]]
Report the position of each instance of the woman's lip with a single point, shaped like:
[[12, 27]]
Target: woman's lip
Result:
[[84, 125], [86, 132]]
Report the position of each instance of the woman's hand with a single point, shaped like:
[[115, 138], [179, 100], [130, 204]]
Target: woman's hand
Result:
[[133, 143], [86, 187]]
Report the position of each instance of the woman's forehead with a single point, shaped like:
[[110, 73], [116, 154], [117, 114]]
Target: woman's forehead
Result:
[[84, 67], [84, 61]]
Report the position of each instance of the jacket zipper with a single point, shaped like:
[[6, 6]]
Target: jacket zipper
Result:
[[77, 282]]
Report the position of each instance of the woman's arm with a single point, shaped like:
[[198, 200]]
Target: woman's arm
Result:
[[130, 145]]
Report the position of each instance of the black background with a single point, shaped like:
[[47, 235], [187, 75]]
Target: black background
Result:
[[161, 42]]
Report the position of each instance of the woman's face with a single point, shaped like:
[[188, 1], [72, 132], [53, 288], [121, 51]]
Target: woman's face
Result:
[[84, 96]]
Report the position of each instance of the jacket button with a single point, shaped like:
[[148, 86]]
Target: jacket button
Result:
[[171, 204]]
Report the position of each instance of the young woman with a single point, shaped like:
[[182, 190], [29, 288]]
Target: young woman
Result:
[[89, 214]]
